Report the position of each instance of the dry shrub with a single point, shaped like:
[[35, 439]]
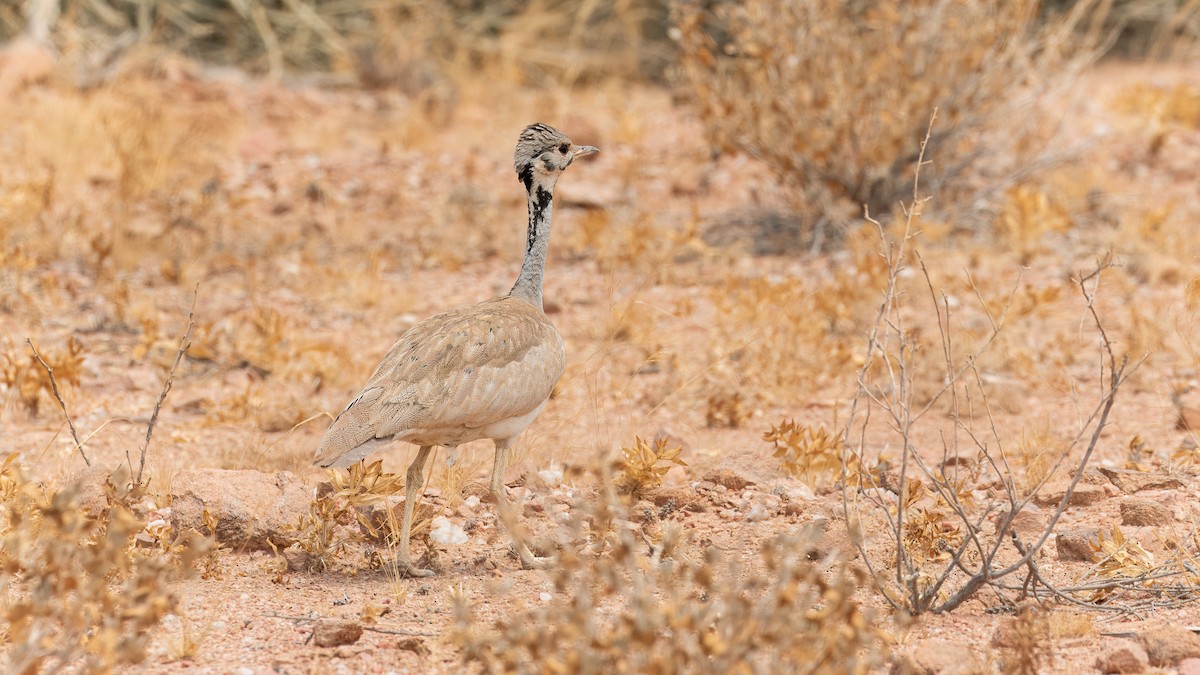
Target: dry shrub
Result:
[[777, 335], [1026, 216], [725, 409], [621, 612], [643, 465], [406, 42], [1156, 29], [834, 95], [1029, 648], [807, 453], [1175, 106], [22, 375], [340, 518], [79, 592]]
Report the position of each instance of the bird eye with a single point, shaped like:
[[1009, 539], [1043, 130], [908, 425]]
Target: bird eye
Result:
[[564, 147]]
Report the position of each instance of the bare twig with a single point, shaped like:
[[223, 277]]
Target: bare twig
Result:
[[61, 403], [184, 344]]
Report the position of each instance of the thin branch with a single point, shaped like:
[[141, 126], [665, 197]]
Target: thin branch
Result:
[[184, 345], [61, 403]]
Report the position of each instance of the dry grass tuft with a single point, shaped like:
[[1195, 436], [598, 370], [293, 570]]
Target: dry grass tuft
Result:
[[643, 465], [408, 43], [340, 518], [79, 591], [24, 375], [1029, 650], [621, 611], [807, 453]]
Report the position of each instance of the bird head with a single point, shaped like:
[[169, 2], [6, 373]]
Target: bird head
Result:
[[543, 153]]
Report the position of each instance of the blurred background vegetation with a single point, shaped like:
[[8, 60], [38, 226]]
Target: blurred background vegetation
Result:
[[834, 96]]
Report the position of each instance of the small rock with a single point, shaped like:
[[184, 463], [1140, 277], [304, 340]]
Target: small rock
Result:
[[336, 632], [757, 512], [250, 506], [1145, 512], [1135, 481], [643, 512], [1124, 656], [1084, 494], [299, 560], [678, 497], [446, 531], [794, 509], [1167, 645], [415, 645], [727, 478], [798, 493], [92, 489], [940, 657], [1028, 522], [1188, 667], [552, 478], [1075, 545]]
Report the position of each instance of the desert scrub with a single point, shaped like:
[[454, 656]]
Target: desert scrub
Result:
[[643, 465], [78, 591], [835, 96], [792, 611]]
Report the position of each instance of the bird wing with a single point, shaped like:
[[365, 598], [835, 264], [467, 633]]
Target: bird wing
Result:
[[461, 370]]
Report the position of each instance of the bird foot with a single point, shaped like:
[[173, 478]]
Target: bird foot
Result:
[[410, 570], [534, 562]]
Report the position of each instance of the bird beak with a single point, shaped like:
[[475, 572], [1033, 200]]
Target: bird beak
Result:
[[581, 150]]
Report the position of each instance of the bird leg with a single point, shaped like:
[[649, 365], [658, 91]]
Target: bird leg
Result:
[[413, 482], [505, 510]]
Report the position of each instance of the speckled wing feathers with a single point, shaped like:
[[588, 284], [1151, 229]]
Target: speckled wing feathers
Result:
[[452, 375]]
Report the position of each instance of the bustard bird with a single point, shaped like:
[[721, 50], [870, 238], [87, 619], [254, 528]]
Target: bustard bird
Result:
[[478, 372]]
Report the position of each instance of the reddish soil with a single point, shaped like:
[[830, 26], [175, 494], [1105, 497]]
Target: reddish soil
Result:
[[320, 224]]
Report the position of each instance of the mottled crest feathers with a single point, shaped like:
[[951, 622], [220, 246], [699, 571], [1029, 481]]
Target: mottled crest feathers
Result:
[[535, 140]]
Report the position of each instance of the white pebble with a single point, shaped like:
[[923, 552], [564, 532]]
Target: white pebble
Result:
[[544, 596], [446, 531], [551, 477], [757, 512], [471, 502]]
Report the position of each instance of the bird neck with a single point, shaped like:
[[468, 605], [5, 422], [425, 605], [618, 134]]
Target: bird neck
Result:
[[533, 268]]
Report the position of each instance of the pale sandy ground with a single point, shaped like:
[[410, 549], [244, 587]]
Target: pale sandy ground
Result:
[[409, 220]]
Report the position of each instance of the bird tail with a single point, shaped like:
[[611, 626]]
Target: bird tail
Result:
[[351, 436]]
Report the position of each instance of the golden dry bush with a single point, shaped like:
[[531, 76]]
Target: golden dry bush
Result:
[[836, 96], [776, 335], [340, 518], [725, 409], [78, 592], [1028, 647], [22, 374], [789, 611], [1178, 105], [1027, 215], [1118, 557], [642, 466], [804, 452]]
